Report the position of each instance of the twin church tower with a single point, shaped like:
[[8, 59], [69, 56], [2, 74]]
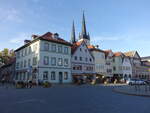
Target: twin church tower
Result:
[[83, 35]]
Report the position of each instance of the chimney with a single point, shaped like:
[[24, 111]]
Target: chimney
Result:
[[97, 46], [34, 37]]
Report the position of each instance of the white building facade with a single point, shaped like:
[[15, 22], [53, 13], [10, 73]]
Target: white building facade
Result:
[[45, 58], [127, 67], [99, 60], [82, 60], [109, 63]]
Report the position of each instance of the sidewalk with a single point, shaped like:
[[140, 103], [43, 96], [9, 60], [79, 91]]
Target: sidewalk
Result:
[[133, 90]]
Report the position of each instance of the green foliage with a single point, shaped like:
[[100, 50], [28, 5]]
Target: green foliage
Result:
[[47, 84], [6, 55]]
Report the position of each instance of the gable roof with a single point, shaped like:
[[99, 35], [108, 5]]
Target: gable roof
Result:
[[47, 37], [75, 46], [131, 54], [107, 52], [118, 54], [93, 48]]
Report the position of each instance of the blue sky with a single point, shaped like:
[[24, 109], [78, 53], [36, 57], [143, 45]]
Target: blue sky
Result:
[[120, 25]]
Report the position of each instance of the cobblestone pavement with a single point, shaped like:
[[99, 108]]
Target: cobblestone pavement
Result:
[[74, 99]]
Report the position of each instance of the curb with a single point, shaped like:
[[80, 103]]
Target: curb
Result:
[[131, 94]]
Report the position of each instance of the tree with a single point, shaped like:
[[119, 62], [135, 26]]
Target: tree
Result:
[[6, 52], [6, 55]]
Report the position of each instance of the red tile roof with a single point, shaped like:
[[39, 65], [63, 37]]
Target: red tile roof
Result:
[[117, 54], [93, 48], [48, 37], [107, 52], [75, 46]]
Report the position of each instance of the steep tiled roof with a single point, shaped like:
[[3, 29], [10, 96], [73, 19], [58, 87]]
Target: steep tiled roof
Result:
[[75, 46], [48, 37], [118, 54], [93, 48]]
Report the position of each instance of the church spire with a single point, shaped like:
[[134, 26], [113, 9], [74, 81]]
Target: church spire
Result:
[[73, 36], [83, 25]]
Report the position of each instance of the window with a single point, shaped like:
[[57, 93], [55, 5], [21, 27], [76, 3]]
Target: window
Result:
[[113, 59], [24, 76], [45, 75], [46, 60], [53, 61], [29, 51], [59, 49], [35, 47], [90, 60], [29, 62], [22, 53], [21, 65], [66, 75], [66, 50], [65, 62], [17, 65], [53, 48], [25, 51], [86, 59], [46, 46], [17, 76], [80, 67], [80, 49], [34, 60], [75, 57], [53, 77], [18, 54], [80, 58], [74, 68], [60, 61], [25, 63], [28, 75], [114, 68]]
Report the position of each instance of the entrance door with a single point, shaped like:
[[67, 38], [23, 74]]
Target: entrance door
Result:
[[60, 77]]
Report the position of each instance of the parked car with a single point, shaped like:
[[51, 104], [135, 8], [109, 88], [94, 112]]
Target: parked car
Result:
[[135, 82], [147, 82]]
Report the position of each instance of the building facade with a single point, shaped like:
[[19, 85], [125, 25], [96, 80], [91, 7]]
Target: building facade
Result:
[[109, 63], [82, 60], [122, 65], [7, 71], [99, 60], [45, 58]]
